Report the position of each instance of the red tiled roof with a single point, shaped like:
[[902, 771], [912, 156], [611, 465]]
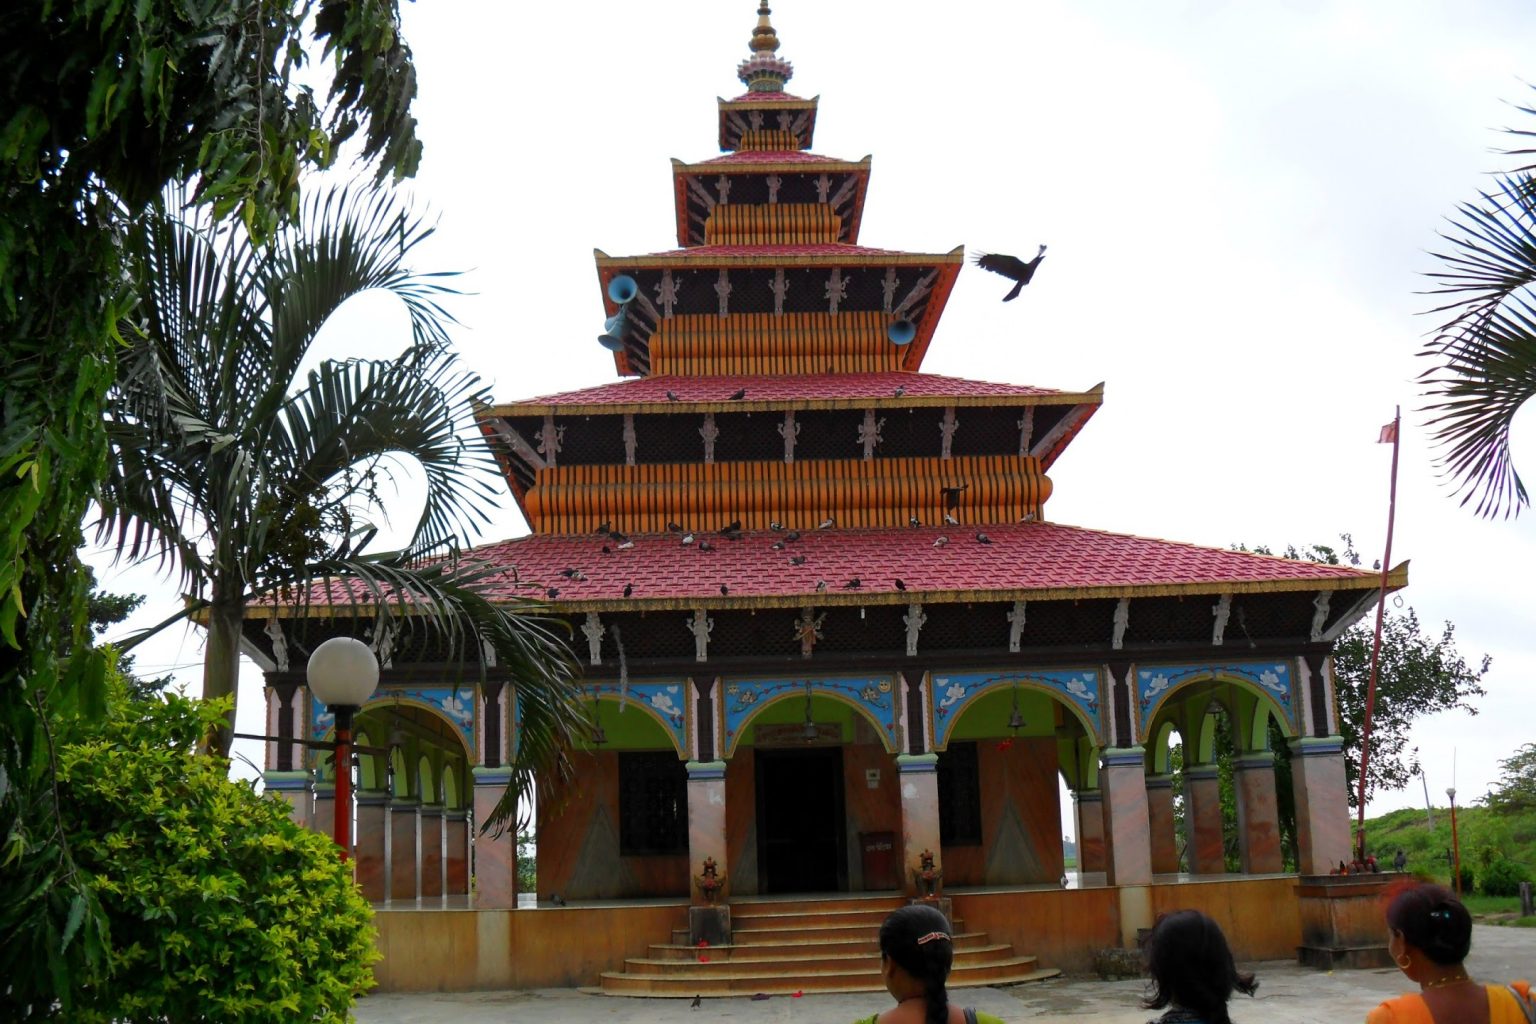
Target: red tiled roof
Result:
[[773, 156], [766, 97], [815, 387], [1023, 560], [769, 251]]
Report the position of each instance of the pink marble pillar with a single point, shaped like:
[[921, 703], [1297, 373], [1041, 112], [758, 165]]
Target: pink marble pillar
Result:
[[919, 779], [1258, 814], [456, 824], [295, 789], [1202, 817], [1090, 830], [1165, 841], [1322, 804], [368, 845], [431, 851], [706, 827], [323, 820], [1127, 830], [495, 867], [404, 841]]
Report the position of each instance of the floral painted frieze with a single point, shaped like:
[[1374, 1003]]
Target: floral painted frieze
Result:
[[1155, 683], [873, 694], [953, 693], [664, 701], [454, 703]]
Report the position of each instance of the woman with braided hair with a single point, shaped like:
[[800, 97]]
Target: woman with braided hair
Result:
[[1429, 934], [916, 953]]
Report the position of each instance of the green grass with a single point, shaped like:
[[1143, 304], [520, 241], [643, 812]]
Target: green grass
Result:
[[1524, 922], [1484, 835]]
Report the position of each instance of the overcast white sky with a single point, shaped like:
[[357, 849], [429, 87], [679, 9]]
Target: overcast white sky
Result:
[[1238, 199]]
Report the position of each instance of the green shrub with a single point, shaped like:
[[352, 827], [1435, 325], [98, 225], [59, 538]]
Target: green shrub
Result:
[[1467, 877], [1503, 878], [220, 908]]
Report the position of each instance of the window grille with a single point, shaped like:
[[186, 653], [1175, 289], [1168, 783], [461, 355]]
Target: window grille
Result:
[[653, 804], [959, 796]]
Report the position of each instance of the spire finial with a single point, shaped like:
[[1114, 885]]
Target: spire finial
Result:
[[764, 71]]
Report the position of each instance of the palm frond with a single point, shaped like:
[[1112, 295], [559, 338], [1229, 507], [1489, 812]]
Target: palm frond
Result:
[[1485, 353]]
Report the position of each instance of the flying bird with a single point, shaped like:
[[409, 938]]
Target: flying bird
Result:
[[952, 495], [1011, 267], [738, 395]]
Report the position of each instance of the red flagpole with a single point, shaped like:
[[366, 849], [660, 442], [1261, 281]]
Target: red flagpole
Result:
[[1381, 611]]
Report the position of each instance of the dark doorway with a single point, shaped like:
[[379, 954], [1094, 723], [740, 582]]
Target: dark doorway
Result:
[[800, 842]]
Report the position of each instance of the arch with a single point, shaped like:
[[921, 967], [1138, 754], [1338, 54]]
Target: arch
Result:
[[1213, 678], [1160, 749], [992, 684], [655, 717], [402, 778], [886, 740], [425, 781], [370, 767], [452, 794]]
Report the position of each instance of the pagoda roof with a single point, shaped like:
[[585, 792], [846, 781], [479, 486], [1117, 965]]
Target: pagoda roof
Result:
[[832, 391], [781, 98], [757, 158], [1023, 561], [821, 254], [753, 162]]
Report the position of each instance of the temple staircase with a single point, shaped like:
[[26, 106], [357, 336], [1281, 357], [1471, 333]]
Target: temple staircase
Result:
[[814, 944]]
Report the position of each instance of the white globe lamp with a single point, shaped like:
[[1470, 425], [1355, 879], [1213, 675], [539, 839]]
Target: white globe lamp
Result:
[[343, 673]]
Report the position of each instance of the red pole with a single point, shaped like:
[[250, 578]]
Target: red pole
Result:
[[343, 815], [1455, 849], [1381, 611]]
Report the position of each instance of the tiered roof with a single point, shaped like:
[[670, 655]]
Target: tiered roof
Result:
[[780, 447]]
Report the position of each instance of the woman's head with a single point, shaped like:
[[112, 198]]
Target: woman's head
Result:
[[1430, 919], [917, 940], [1191, 966]]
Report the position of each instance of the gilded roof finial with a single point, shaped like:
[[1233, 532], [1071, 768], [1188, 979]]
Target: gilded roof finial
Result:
[[765, 71]]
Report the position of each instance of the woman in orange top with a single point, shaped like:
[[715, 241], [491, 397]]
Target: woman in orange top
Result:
[[1430, 933]]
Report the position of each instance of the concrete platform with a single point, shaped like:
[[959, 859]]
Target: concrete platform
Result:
[[1288, 994]]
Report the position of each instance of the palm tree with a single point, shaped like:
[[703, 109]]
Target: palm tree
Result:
[[1485, 354], [253, 482]]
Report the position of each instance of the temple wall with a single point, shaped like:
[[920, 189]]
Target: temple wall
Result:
[[1020, 818], [741, 821], [870, 810], [448, 950], [578, 844]]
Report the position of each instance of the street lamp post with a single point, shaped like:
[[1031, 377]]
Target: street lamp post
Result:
[[343, 673], [1455, 844]]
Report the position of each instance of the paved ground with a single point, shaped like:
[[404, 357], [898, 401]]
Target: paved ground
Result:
[[1288, 994]]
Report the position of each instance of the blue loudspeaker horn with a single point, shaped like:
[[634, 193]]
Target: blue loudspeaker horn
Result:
[[612, 337], [623, 289], [901, 332]]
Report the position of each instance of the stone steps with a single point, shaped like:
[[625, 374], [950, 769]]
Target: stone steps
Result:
[[815, 944]]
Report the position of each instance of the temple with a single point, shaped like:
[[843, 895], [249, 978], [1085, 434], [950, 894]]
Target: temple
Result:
[[828, 626]]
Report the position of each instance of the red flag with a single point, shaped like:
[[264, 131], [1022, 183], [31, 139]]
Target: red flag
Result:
[[1388, 434]]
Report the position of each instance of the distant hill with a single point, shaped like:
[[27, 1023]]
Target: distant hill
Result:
[[1485, 835]]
